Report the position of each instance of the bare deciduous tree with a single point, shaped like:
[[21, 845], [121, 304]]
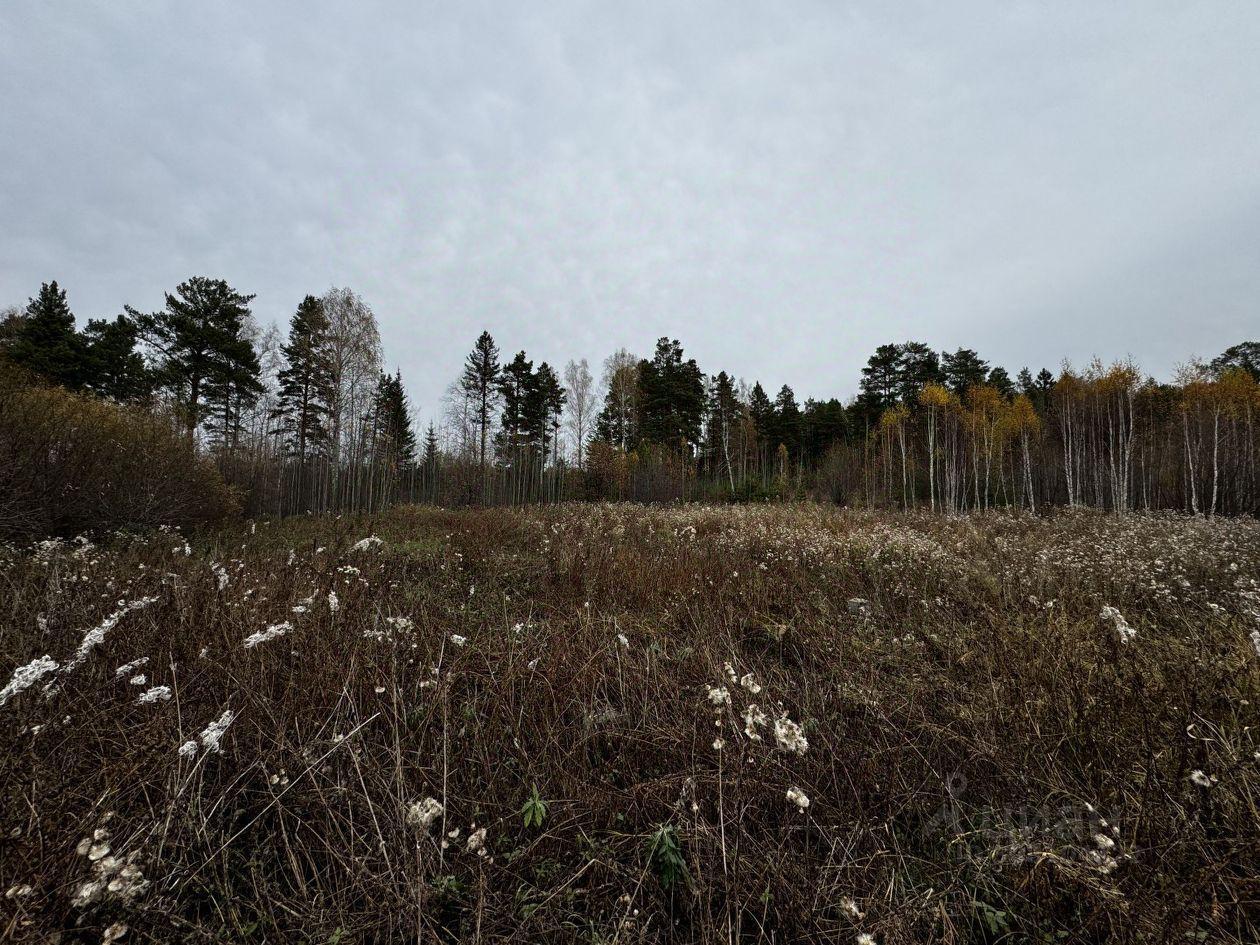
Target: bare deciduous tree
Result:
[[580, 388]]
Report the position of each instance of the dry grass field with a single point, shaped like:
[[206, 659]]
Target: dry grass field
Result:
[[618, 724]]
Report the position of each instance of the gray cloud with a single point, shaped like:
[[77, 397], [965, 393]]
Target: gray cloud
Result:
[[783, 186]]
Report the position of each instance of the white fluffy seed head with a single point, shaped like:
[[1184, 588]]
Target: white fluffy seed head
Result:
[[26, 676], [422, 814]]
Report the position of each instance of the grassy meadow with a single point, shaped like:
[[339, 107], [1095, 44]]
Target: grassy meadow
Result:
[[623, 724]]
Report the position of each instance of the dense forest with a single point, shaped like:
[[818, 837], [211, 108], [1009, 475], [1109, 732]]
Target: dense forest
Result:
[[163, 416]]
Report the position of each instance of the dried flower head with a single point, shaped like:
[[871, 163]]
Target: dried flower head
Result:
[[422, 814], [789, 736], [26, 676], [1201, 778]]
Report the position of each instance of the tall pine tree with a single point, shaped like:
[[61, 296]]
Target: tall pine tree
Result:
[[479, 383], [517, 391], [115, 368], [962, 369], [207, 362], [672, 397], [545, 409]]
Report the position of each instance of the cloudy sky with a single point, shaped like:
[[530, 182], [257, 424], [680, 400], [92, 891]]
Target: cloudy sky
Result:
[[782, 186]]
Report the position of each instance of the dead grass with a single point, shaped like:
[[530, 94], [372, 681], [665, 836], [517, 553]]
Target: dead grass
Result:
[[972, 730]]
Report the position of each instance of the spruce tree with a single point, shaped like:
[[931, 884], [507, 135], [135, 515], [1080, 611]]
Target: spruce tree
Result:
[[393, 441], [306, 386], [46, 342], [431, 458], [402, 439]]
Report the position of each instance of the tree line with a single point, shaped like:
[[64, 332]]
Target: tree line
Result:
[[309, 421]]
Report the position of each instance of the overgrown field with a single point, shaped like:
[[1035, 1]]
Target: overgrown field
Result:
[[620, 724]]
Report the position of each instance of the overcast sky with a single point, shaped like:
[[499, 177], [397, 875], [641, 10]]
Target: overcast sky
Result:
[[782, 186]]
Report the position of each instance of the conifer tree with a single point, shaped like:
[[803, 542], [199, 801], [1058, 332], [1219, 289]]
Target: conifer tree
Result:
[[722, 419], [115, 369], [306, 382], [46, 342], [516, 387], [206, 359], [919, 366], [394, 442], [1001, 382], [787, 420], [480, 385], [962, 369], [671, 410], [761, 410], [822, 424], [618, 421], [431, 457], [1245, 355], [882, 383], [545, 409]]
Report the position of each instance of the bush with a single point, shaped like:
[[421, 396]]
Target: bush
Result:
[[71, 463]]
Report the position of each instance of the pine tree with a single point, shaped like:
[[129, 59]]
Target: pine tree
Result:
[[1000, 381], [882, 382], [722, 419], [919, 366], [115, 369], [671, 410], [516, 386], [545, 408], [962, 369], [306, 382], [230, 390], [207, 362], [787, 419], [1245, 355], [480, 384], [823, 423], [46, 343], [1045, 382]]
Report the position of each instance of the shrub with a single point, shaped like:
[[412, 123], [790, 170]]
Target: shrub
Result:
[[71, 463]]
